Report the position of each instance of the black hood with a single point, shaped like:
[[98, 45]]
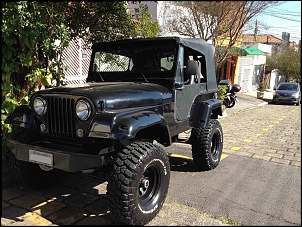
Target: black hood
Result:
[[115, 95]]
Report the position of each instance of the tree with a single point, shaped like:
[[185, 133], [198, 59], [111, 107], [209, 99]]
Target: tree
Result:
[[288, 63], [220, 22], [144, 25], [34, 34]]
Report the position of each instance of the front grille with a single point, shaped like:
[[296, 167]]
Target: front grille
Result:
[[283, 95], [61, 118]]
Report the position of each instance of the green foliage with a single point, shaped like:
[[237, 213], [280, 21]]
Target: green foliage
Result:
[[288, 63], [34, 35], [29, 31], [261, 87], [144, 27], [221, 91]]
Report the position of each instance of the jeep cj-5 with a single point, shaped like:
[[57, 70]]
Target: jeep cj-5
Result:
[[140, 94]]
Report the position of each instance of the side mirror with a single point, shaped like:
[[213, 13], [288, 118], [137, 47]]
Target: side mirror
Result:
[[192, 68]]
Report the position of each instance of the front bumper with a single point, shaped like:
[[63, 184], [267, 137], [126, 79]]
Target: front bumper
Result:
[[61, 159], [287, 100]]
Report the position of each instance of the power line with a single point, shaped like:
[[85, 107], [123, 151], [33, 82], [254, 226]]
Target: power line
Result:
[[282, 11], [286, 18]]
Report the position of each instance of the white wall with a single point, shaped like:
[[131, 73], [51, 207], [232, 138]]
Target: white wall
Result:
[[245, 72], [276, 79], [259, 59], [265, 48]]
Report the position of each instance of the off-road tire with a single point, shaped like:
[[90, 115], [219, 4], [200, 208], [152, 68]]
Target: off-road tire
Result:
[[139, 182], [207, 145], [29, 174]]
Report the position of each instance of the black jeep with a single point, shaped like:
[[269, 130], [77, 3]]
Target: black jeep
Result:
[[139, 95]]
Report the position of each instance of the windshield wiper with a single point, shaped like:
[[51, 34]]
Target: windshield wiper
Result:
[[145, 78], [101, 76]]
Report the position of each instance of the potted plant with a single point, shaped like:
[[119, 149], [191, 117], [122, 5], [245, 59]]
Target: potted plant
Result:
[[261, 89]]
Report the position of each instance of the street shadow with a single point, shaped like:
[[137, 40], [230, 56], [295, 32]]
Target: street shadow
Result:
[[179, 164], [81, 199], [269, 101], [283, 104]]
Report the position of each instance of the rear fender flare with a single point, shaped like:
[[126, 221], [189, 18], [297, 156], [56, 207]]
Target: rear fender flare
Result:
[[203, 111]]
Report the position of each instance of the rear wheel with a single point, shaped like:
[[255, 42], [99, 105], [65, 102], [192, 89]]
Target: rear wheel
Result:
[[30, 174], [139, 183], [231, 102], [207, 145], [226, 102]]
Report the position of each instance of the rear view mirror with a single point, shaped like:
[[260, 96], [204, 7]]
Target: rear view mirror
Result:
[[192, 67]]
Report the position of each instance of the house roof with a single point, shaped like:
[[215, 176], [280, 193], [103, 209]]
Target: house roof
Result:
[[266, 38], [253, 51]]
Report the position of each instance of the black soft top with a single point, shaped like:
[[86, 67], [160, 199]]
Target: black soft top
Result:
[[197, 44], [194, 43]]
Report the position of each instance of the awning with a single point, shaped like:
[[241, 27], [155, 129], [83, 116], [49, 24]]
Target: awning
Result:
[[253, 51]]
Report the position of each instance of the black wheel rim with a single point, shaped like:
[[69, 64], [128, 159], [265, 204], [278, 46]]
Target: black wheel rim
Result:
[[149, 186], [215, 146]]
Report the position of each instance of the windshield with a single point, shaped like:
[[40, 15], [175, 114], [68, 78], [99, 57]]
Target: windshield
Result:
[[142, 59], [293, 87]]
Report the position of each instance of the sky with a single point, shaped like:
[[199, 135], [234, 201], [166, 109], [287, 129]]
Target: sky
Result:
[[283, 18]]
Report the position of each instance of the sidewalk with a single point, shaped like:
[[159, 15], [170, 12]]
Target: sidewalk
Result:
[[249, 100], [268, 94]]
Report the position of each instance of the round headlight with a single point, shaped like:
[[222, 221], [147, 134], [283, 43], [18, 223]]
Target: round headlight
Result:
[[40, 106], [83, 109]]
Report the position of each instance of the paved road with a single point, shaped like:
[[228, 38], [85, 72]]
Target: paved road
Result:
[[257, 183]]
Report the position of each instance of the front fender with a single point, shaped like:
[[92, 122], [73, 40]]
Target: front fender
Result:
[[127, 126], [22, 116], [202, 111]]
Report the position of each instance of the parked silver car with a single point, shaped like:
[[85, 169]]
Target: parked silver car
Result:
[[287, 92]]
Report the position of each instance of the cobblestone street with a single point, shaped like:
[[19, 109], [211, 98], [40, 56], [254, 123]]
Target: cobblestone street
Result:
[[270, 132]]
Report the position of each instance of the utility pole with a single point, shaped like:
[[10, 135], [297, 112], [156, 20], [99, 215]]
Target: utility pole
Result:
[[256, 31]]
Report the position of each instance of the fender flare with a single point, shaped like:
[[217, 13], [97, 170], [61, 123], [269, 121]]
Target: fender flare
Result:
[[202, 111], [22, 116], [127, 126]]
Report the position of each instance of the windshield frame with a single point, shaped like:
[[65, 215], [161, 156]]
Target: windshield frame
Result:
[[133, 50]]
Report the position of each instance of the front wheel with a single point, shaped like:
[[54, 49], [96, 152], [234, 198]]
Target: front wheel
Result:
[[139, 183], [207, 145]]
